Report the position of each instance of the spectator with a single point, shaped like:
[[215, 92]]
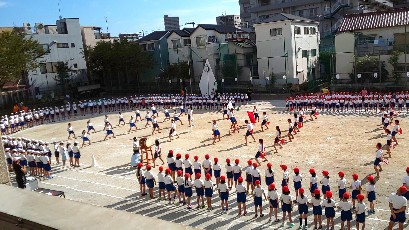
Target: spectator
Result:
[[20, 172]]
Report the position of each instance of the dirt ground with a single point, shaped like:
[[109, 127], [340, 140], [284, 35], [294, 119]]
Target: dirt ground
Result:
[[332, 142]]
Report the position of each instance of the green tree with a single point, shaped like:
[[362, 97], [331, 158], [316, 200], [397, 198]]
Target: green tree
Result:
[[367, 66], [394, 61], [176, 71], [325, 61], [63, 77], [17, 56]]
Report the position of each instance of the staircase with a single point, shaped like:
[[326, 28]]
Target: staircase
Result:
[[340, 4]]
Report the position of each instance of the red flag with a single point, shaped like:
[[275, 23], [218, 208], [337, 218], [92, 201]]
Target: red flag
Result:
[[400, 131], [251, 117]]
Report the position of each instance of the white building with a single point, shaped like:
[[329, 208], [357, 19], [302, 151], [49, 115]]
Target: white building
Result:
[[62, 43], [91, 35], [287, 45], [229, 20]]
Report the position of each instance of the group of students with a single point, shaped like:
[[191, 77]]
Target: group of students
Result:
[[182, 177], [351, 101]]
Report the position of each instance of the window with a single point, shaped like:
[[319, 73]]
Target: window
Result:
[[313, 52], [45, 47], [51, 67], [43, 68], [62, 45], [150, 46], [211, 39], [75, 65], [313, 30], [72, 45], [200, 41], [297, 30], [306, 30], [276, 31], [305, 53], [187, 42], [176, 43]]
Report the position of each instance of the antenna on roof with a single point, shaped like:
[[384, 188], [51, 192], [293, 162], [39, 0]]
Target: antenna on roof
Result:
[[106, 23], [190, 23], [59, 9]]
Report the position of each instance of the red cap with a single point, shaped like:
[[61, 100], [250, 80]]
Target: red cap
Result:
[[328, 194], [360, 197], [407, 169], [283, 167], [139, 165], [403, 189], [301, 190], [236, 161], [186, 156], [255, 165], [355, 176], [196, 158], [208, 176], [269, 165], [257, 182], [187, 175], [312, 170], [207, 156], [179, 172], [272, 186], [160, 168], [249, 162], [370, 178], [341, 174], [346, 195], [296, 170], [325, 172], [216, 159], [227, 160], [171, 151], [168, 170], [317, 192], [198, 175], [178, 155], [240, 179], [286, 189], [148, 167], [223, 178]]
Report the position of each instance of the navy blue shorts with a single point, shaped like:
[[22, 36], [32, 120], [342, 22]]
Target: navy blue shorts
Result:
[[241, 197], [317, 210], [269, 180], [208, 192], [229, 174], [142, 180], [329, 212], [217, 173], [371, 196], [85, 139], [236, 176], [172, 166], [198, 171], [189, 170], [303, 209], [360, 218], [188, 192], [149, 183], [258, 201], [71, 154], [313, 187], [90, 128], [249, 178], [77, 155], [162, 185], [346, 215], [216, 133], [393, 133], [40, 164], [341, 192], [325, 188], [274, 203], [181, 188], [32, 164], [297, 185], [170, 187], [377, 162], [355, 193], [109, 132], [284, 182], [224, 196], [263, 122], [400, 217], [9, 161], [47, 167], [248, 133], [286, 207], [200, 191], [233, 119]]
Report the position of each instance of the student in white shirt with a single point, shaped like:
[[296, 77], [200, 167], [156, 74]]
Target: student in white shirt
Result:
[[241, 197], [70, 131], [273, 201], [217, 170], [208, 187], [150, 180], [236, 171], [378, 159], [398, 204], [155, 125], [405, 182], [329, 205], [360, 211], [341, 185], [265, 121], [258, 194], [170, 187], [161, 183], [249, 176], [141, 179], [290, 130], [188, 189], [199, 186], [223, 193], [356, 188], [346, 210], [317, 209], [207, 165], [181, 187], [249, 131], [395, 130], [286, 205], [297, 179], [157, 153], [197, 166], [172, 131], [269, 174], [188, 166]]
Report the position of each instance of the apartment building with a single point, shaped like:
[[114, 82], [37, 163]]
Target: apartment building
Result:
[[171, 23]]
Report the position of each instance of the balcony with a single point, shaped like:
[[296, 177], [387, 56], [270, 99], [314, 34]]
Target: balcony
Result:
[[377, 3], [279, 4]]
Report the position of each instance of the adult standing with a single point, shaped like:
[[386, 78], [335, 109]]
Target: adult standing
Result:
[[397, 205], [20, 172], [249, 93]]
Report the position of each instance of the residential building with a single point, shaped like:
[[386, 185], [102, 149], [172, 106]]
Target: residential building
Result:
[[375, 34], [157, 45], [91, 35], [230, 20], [179, 45], [129, 37], [400, 3], [62, 43], [328, 12], [287, 45], [171, 23]]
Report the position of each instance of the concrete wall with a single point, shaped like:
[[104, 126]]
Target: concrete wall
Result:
[[181, 54]]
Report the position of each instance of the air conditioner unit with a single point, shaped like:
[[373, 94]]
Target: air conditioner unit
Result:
[[27, 28], [39, 28]]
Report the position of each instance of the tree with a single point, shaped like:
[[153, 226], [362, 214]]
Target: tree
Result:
[[325, 60], [177, 70], [63, 77], [394, 61], [367, 66], [17, 56]]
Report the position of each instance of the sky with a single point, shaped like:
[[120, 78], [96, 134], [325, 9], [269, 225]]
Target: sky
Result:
[[124, 16]]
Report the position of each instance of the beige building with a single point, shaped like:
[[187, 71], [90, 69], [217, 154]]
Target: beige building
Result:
[[374, 34], [91, 35]]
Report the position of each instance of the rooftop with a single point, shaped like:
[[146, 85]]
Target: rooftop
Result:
[[223, 29], [286, 17], [154, 36], [373, 20]]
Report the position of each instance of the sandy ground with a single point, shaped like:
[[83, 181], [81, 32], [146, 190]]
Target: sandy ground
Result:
[[332, 142]]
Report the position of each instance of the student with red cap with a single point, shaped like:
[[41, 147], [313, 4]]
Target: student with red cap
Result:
[[286, 205], [342, 183], [325, 183], [370, 193], [313, 181], [405, 181], [398, 204], [188, 165], [261, 152], [170, 187], [141, 179], [150, 180], [181, 188], [249, 176], [236, 171], [346, 210], [329, 206], [317, 209], [208, 186], [188, 190], [216, 132], [199, 186], [241, 197], [217, 170], [269, 174], [161, 182], [256, 173], [197, 166], [171, 164], [273, 198], [258, 198], [360, 211], [297, 178], [302, 201], [286, 175], [229, 173], [356, 188], [207, 165], [179, 162], [378, 159], [223, 193]]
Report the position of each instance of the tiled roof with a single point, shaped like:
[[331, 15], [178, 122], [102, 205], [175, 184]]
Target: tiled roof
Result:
[[223, 29], [284, 17], [373, 20], [154, 36], [182, 33]]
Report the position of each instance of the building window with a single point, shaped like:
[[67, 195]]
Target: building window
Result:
[[43, 68], [297, 30], [75, 65], [200, 41], [187, 42], [305, 53], [306, 30], [45, 47], [276, 31], [150, 46], [313, 52], [176, 43], [51, 67], [313, 30], [211, 39], [72, 45], [62, 45]]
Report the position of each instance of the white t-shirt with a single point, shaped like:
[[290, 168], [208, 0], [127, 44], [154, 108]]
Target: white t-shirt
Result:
[[370, 188], [161, 177], [325, 204], [268, 174], [187, 163], [325, 181], [342, 183], [405, 180], [345, 205], [258, 192], [240, 188], [198, 183], [316, 202], [355, 186], [148, 175], [236, 168], [272, 195], [397, 201], [208, 184], [222, 187], [360, 208], [379, 153], [286, 199]]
